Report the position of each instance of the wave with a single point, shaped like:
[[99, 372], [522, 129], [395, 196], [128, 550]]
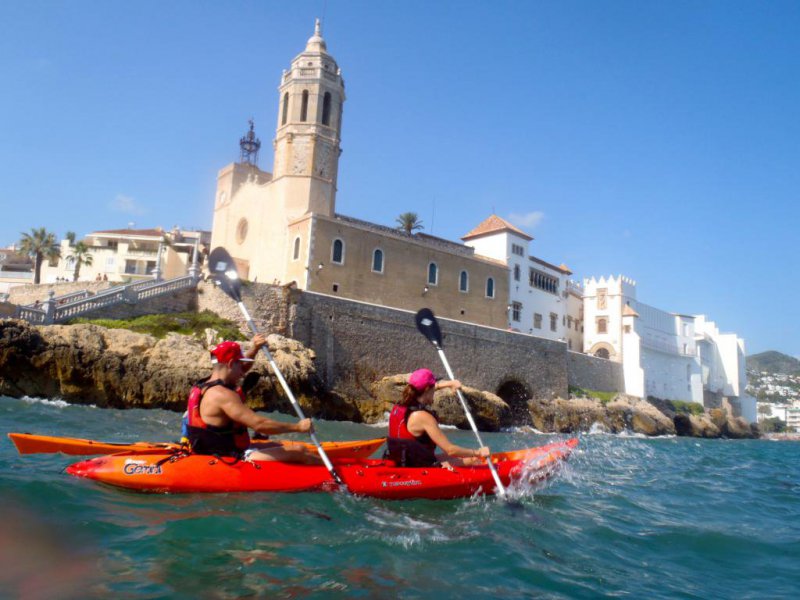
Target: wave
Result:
[[56, 402], [382, 423]]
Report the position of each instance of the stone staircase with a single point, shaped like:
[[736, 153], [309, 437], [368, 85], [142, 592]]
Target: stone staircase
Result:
[[57, 309]]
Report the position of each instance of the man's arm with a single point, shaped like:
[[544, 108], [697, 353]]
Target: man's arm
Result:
[[239, 412], [255, 345]]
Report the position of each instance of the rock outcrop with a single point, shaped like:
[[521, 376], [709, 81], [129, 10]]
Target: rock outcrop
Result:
[[89, 364], [490, 412], [623, 413], [118, 368]]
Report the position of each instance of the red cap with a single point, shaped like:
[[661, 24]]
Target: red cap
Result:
[[421, 379], [226, 352]]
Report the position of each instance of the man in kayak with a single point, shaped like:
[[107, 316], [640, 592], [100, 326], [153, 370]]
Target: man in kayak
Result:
[[218, 419], [414, 432]]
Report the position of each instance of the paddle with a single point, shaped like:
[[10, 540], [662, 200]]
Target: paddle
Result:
[[429, 327], [223, 270]]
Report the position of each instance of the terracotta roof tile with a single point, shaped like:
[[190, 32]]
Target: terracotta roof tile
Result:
[[495, 224], [627, 311], [141, 232]]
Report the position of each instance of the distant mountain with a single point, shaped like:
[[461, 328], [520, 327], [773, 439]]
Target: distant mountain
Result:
[[773, 362]]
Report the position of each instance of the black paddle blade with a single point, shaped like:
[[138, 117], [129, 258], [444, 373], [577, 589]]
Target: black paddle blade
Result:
[[224, 272], [429, 326]]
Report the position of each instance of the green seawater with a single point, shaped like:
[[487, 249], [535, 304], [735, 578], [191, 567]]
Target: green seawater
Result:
[[627, 517]]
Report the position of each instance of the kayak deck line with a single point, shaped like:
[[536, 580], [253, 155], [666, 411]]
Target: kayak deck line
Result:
[[165, 472], [28, 443]]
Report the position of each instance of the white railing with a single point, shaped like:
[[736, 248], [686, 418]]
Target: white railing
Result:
[[56, 310]]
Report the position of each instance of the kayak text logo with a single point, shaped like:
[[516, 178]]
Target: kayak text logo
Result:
[[139, 467], [410, 482]]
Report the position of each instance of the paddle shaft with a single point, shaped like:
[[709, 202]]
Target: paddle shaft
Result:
[[501, 491], [322, 454]]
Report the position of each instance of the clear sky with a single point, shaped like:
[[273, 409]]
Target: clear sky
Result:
[[660, 140]]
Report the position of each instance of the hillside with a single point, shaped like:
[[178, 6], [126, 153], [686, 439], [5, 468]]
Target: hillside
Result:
[[773, 362]]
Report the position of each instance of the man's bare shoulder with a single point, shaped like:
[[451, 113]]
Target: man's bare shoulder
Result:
[[220, 394]]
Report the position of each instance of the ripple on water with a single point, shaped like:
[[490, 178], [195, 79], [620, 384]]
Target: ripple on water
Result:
[[655, 518]]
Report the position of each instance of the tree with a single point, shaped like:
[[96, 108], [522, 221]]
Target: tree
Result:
[[70, 237], [773, 425], [82, 256], [409, 222], [39, 244]]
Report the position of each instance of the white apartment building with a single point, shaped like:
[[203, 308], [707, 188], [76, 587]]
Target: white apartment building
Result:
[[543, 301], [666, 355], [788, 413], [121, 255]]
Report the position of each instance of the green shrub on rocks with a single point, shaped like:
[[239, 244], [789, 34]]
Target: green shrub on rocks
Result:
[[687, 408], [603, 397], [186, 323]]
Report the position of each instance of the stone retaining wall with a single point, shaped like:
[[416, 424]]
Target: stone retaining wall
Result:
[[593, 373], [268, 305], [180, 301], [357, 344]]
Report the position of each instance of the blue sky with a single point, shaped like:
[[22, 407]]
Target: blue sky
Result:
[[659, 140]]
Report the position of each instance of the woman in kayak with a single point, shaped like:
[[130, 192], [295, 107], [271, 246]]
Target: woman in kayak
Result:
[[414, 432], [217, 419]]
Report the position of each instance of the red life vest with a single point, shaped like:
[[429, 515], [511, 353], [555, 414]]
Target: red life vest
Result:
[[405, 448], [231, 440]]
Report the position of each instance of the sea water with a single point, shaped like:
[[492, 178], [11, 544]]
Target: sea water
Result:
[[627, 516]]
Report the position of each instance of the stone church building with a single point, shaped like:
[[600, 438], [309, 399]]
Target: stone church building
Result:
[[282, 227]]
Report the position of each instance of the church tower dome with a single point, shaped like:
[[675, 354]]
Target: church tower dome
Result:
[[308, 135]]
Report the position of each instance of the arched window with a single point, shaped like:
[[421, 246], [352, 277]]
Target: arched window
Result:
[[433, 274], [602, 353], [285, 108], [463, 282], [296, 249], [337, 252], [326, 109], [516, 273], [602, 327], [377, 260], [304, 106], [490, 287]]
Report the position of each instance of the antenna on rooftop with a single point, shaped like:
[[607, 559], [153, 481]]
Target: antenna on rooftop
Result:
[[250, 146]]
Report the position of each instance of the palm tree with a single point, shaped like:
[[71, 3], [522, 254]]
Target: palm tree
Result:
[[39, 244], [70, 236], [409, 222], [82, 256]]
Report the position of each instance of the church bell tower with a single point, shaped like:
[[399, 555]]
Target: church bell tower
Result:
[[308, 136]]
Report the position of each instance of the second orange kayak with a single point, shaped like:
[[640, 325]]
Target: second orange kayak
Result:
[[28, 443]]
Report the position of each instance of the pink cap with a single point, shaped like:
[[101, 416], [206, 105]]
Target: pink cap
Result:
[[421, 379], [228, 351]]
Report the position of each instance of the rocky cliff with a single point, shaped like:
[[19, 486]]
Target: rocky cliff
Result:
[[117, 368]]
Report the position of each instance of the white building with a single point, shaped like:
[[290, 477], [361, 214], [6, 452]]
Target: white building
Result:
[[121, 255], [542, 298], [666, 355], [15, 269], [788, 413]]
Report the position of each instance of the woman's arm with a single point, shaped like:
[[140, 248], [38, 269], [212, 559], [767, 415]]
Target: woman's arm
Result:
[[427, 423], [453, 384]]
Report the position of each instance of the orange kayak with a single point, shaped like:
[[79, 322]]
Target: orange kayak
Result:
[[165, 472], [28, 443]]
